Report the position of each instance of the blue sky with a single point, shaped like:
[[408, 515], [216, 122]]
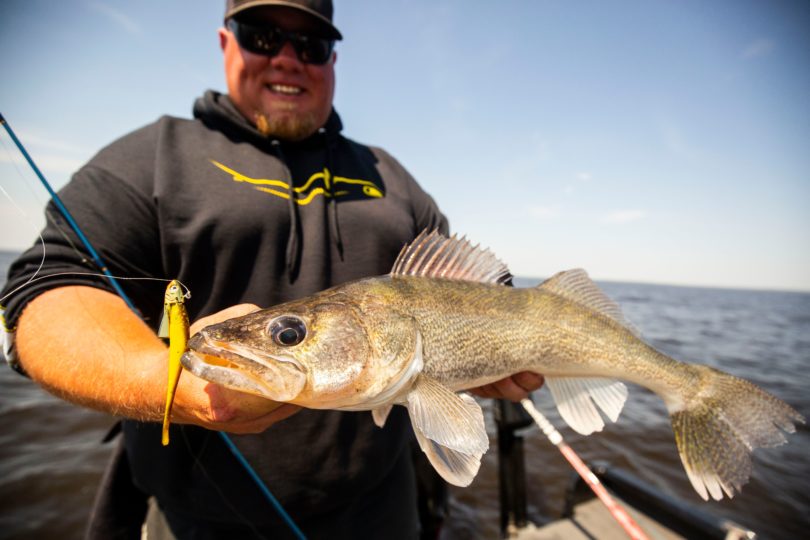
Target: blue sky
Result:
[[653, 141]]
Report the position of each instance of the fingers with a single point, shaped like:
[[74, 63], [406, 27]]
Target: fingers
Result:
[[238, 412], [227, 313], [261, 423], [486, 391], [509, 389], [216, 407], [528, 380], [513, 388]]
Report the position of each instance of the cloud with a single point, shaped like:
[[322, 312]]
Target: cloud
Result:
[[758, 48], [545, 212], [57, 145], [119, 17], [580, 178], [528, 158], [674, 139], [624, 216]]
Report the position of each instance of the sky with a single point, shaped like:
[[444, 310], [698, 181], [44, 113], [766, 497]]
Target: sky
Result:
[[648, 141]]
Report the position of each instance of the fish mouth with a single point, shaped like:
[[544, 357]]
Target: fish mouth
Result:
[[242, 368]]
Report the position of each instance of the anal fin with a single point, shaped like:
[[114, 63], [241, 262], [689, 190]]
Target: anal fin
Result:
[[577, 400]]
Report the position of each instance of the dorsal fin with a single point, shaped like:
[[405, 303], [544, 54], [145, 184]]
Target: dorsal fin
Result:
[[575, 285], [434, 255]]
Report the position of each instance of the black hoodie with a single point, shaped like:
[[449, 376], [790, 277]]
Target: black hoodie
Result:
[[238, 217]]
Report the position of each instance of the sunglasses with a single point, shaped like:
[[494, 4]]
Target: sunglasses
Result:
[[269, 40]]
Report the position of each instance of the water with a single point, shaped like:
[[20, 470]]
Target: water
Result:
[[51, 456]]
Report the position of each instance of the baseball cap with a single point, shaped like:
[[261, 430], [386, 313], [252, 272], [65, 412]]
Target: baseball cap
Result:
[[322, 10]]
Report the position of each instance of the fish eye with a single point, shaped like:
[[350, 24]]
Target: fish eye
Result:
[[287, 331]]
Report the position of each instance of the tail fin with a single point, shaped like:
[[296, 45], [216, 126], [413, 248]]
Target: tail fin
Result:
[[718, 428]]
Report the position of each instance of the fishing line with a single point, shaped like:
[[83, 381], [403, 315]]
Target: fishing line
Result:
[[42, 204], [34, 279], [113, 281], [21, 174], [66, 213], [35, 276], [42, 241]]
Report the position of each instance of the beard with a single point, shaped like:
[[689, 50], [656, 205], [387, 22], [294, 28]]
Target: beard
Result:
[[289, 125]]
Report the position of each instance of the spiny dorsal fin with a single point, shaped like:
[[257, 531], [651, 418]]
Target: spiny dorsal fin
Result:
[[575, 285], [434, 255]]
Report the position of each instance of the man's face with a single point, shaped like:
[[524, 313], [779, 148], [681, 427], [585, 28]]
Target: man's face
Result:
[[283, 96]]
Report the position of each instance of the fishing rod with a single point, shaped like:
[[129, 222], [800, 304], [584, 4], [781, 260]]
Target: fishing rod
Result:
[[103, 267], [619, 514]]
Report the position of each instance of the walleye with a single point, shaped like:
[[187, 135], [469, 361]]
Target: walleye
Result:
[[173, 325], [443, 321]]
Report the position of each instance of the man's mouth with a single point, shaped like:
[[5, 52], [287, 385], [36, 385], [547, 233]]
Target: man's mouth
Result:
[[285, 89]]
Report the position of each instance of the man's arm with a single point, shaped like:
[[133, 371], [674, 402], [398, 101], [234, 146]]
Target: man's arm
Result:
[[86, 346]]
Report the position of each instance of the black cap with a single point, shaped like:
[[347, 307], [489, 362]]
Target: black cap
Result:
[[320, 9]]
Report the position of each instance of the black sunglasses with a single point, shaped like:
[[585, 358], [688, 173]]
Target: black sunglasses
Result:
[[269, 40]]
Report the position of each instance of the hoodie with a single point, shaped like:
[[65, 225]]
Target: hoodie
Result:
[[239, 217]]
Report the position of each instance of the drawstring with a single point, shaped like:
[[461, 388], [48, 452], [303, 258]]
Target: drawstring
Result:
[[332, 207], [293, 239]]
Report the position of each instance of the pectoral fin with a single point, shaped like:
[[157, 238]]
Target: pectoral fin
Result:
[[452, 420], [577, 398], [450, 429], [455, 467]]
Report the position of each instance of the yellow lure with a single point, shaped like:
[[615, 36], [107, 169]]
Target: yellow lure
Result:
[[174, 326]]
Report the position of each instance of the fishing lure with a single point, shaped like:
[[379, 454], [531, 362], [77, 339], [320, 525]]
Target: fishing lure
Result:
[[173, 325]]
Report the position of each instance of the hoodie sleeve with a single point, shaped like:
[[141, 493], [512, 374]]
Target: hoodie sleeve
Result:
[[120, 224], [426, 213]]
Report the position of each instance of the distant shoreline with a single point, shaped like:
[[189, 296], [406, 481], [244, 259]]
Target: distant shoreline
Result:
[[7, 257]]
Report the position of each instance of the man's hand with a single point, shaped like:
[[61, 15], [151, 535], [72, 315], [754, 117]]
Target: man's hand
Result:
[[513, 388], [216, 407]]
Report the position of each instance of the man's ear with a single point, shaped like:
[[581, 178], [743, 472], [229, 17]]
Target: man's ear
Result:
[[223, 38]]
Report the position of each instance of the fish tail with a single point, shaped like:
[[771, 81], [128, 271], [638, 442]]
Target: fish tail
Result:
[[174, 377], [718, 427]]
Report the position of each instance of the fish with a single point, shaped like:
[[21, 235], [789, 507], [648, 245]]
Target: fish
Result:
[[174, 326], [445, 320]]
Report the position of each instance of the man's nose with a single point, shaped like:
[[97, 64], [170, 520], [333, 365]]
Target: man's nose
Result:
[[286, 57]]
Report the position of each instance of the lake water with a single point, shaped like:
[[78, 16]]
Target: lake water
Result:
[[51, 456]]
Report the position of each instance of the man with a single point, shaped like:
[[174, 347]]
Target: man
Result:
[[256, 201]]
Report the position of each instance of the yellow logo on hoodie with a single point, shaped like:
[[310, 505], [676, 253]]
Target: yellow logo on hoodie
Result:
[[320, 183]]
